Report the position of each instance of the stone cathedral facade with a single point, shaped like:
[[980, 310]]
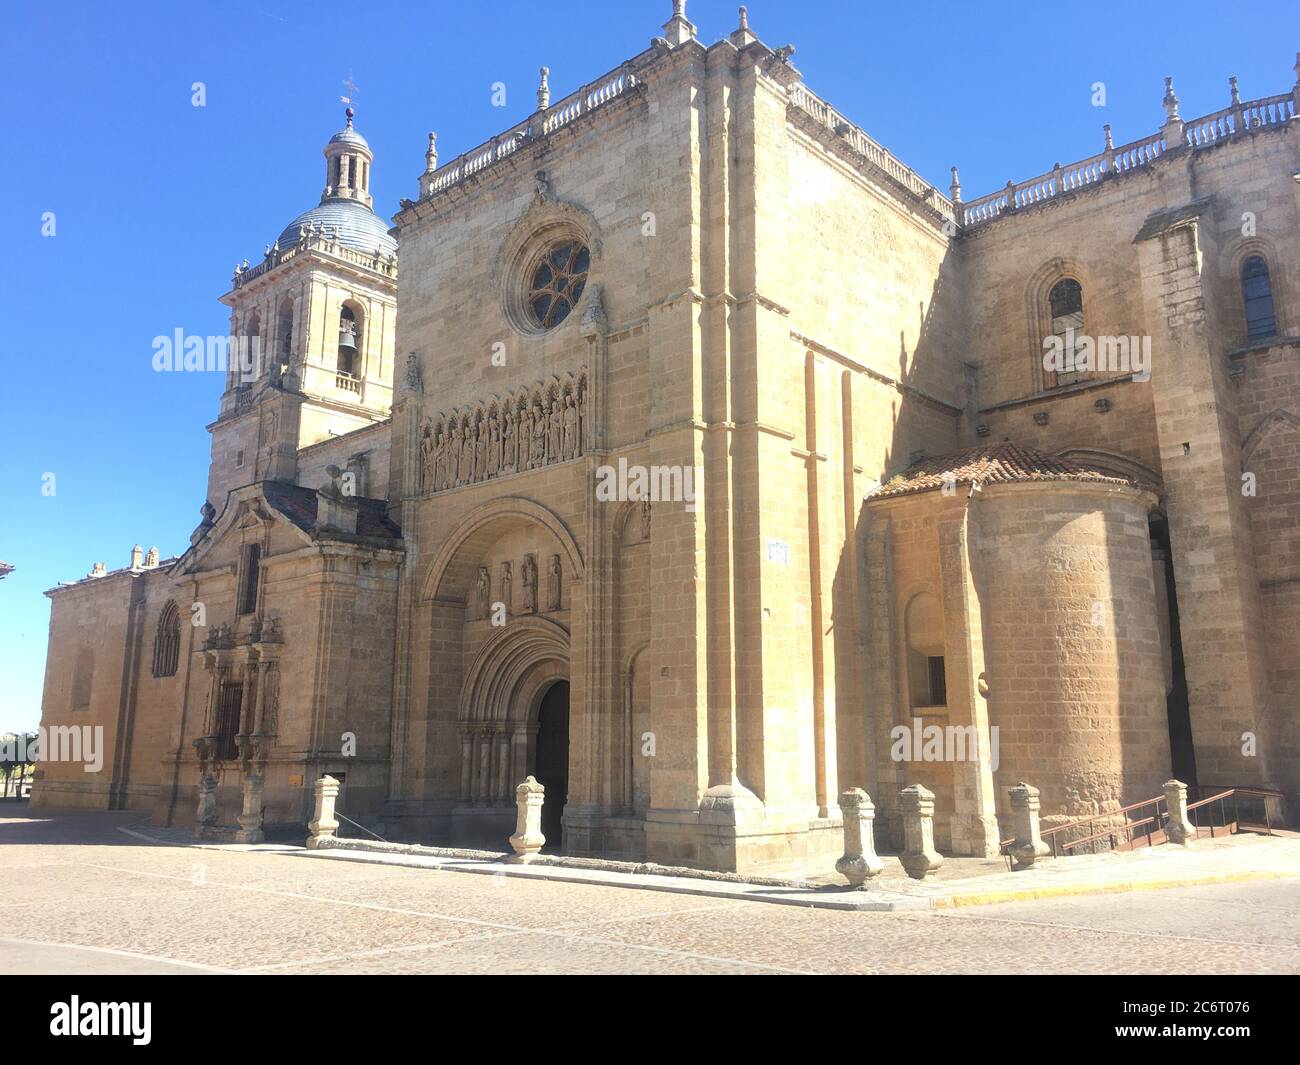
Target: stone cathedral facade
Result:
[[703, 461]]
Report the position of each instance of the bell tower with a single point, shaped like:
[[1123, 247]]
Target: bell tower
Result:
[[312, 329]]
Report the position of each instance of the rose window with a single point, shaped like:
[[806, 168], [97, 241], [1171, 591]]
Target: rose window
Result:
[[557, 283]]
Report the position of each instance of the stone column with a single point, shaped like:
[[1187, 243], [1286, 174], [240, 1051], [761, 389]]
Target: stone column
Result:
[[860, 862], [206, 814], [259, 708], [1178, 828], [919, 858], [528, 839], [322, 825], [250, 820], [502, 787], [250, 678], [483, 786], [466, 766], [1029, 844]]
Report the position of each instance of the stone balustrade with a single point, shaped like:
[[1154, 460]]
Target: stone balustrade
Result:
[[324, 242], [1234, 120], [541, 123], [857, 139]]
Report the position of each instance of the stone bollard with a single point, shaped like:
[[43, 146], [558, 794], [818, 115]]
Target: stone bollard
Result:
[[1028, 845], [1178, 828], [919, 858], [528, 839], [860, 862], [206, 813], [323, 826], [250, 819]]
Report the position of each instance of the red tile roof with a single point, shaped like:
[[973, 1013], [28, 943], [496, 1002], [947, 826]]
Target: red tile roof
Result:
[[991, 464]]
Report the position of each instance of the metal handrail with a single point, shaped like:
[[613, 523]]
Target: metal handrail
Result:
[[1151, 822], [344, 817]]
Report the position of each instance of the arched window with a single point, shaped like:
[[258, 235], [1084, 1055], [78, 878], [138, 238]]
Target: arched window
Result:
[[351, 334], [248, 585], [1066, 308], [249, 354], [285, 331], [167, 641], [1257, 295]]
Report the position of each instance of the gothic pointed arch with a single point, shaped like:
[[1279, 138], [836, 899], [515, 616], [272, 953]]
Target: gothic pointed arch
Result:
[[167, 641], [1272, 420], [1038, 310]]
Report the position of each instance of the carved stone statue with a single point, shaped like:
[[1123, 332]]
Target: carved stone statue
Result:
[[412, 382], [508, 443], [493, 447], [554, 433], [530, 585], [645, 520], [428, 447], [553, 578], [569, 444], [506, 579], [484, 590], [466, 458], [480, 453], [440, 462], [453, 459], [537, 458]]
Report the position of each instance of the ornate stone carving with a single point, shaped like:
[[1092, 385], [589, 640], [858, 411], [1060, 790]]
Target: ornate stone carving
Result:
[[534, 427], [412, 381], [484, 591], [554, 575], [506, 578], [220, 638], [530, 585]]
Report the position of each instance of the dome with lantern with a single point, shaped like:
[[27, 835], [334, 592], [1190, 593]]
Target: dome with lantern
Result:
[[345, 211]]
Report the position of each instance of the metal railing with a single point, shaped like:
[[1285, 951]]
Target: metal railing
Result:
[[354, 824], [1221, 810], [1209, 815]]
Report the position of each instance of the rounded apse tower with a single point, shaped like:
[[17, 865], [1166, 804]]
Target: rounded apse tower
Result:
[[1072, 645]]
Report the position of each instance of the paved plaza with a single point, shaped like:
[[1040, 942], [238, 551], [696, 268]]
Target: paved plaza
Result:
[[79, 896]]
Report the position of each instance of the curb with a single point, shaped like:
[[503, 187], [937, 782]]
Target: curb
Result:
[[990, 898], [876, 900]]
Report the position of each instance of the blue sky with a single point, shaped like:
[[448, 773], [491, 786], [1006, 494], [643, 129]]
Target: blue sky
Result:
[[155, 199]]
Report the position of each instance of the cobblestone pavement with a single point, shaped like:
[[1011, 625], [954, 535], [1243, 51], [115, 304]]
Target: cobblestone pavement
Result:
[[78, 896]]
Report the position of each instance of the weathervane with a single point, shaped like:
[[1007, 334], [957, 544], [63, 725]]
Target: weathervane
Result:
[[352, 89]]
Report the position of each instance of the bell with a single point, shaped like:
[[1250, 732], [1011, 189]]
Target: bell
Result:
[[347, 338]]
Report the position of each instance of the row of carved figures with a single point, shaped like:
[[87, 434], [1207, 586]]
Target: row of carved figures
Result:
[[505, 587], [467, 450]]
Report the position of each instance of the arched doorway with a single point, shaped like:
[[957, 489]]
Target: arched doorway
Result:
[[552, 770]]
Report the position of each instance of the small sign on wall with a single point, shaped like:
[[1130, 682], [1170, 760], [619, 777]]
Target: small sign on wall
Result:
[[778, 551], [295, 780]]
